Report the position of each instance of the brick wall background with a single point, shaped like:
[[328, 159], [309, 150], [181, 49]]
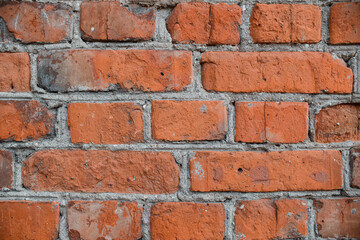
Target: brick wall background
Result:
[[166, 120]]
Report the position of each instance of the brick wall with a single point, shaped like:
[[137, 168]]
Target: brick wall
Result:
[[166, 120]]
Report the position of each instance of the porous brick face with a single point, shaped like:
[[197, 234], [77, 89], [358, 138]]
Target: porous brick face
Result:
[[169, 119]]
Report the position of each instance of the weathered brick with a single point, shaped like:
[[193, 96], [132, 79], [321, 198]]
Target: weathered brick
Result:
[[29, 220], [293, 72], [284, 122], [195, 120], [271, 219], [266, 171], [204, 23], [22, 120], [338, 218], [285, 23], [14, 72], [104, 220], [37, 22], [186, 220], [111, 21], [101, 171], [355, 167], [6, 169], [338, 123], [344, 23], [105, 123], [95, 70]]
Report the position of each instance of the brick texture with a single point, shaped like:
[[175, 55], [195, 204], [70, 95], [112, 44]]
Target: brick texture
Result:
[[93, 123], [338, 218], [187, 221], [29, 220], [37, 22], [104, 220], [283, 122], [22, 120], [355, 166], [130, 171], [292, 72], [265, 172], [271, 219], [285, 23], [6, 169], [111, 21], [14, 72], [344, 23], [95, 70]]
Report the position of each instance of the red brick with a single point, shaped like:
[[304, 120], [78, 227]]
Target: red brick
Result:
[[104, 220], [270, 219], [266, 171], [355, 167], [195, 120], [204, 23], [37, 22], [101, 171], [22, 120], [338, 218], [344, 23], [293, 72], [186, 220], [111, 21], [29, 220], [338, 123], [95, 70], [6, 169], [285, 23], [105, 123], [284, 122], [14, 72]]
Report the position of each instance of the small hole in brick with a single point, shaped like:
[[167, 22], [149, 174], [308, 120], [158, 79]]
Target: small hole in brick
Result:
[[162, 74], [240, 170]]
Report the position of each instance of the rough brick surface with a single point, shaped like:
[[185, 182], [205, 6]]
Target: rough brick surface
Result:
[[6, 169], [204, 23], [284, 122], [93, 70], [29, 220], [344, 23], [24, 120], [195, 120], [14, 72], [355, 167], [285, 23], [37, 22], [101, 171], [105, 123], [270, 219], [104, 220], [338, 123], [294, 72], [338, 218], [187, 221], [265, 172], [111, 21]]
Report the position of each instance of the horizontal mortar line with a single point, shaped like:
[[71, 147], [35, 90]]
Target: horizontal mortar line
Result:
[[187, 95], [177, 197], [182, 146]]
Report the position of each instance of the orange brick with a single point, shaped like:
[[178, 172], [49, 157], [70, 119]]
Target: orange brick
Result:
[[265, 171], [355, 166], [104, 220], [284, 72], [171, 220], [270, 219], [6, 169], [105, 123], [29, 220], [195, 120], [101, 171], [14, 72]]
